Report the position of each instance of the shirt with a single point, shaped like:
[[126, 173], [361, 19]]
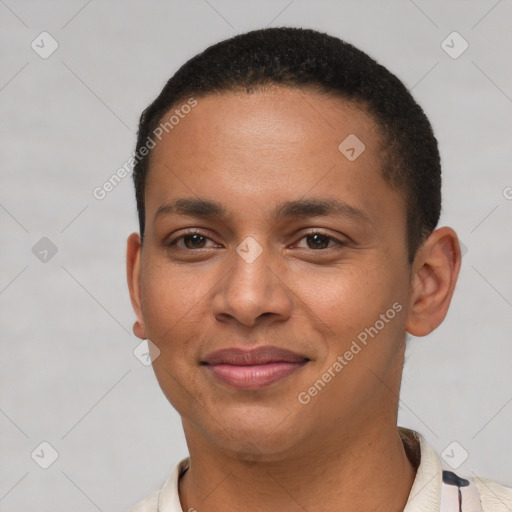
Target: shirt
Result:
[[435, 488]]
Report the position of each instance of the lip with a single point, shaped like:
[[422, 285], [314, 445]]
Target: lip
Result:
[[253, 369]]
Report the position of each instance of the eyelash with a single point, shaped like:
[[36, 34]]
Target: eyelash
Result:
[[172, 243]]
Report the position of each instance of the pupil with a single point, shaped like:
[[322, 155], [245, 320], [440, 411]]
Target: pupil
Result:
[[193, 237], [319, 238]]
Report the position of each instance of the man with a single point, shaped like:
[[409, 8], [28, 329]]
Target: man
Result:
[[288, 190]]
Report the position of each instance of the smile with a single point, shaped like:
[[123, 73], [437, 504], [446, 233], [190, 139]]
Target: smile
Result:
[[253, 369], [251, 377]]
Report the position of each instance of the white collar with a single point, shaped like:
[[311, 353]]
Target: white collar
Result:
[[425, 495]]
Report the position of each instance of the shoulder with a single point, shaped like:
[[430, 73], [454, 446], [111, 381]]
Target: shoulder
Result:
[[437, 488], [474, 494], [167, 498], [493, 496], [148, 504]]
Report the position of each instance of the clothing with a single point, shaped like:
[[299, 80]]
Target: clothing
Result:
[[435, 488]]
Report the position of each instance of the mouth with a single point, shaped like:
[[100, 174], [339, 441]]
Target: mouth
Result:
[[253, 369]]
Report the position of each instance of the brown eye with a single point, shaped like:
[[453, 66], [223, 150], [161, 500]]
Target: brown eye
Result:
[[196, 241], [191, 240], [320, 241]]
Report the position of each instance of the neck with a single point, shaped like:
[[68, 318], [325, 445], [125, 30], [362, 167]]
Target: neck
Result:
[[368, 471]]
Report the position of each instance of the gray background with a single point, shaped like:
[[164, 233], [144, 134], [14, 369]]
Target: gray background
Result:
[[68, 373]]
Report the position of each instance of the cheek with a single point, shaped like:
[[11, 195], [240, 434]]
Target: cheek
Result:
[[348, 303], [346, 295], [172, 301], [174, 309]]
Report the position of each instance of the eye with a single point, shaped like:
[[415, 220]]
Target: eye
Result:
[[320, 241], [192, 239]]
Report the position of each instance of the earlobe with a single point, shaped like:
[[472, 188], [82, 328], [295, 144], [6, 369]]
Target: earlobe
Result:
[[133, 274], [435, 271]]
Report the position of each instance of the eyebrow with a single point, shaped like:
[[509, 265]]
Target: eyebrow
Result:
[[302, 208]]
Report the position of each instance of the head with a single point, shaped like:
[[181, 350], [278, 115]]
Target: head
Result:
[[288, 195]]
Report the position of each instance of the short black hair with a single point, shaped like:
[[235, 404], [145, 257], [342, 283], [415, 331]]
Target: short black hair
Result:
[[309, 59]]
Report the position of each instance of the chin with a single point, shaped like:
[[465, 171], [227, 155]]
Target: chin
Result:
[[255, 433]]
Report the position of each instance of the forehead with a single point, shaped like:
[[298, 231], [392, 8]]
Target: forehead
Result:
[[268, 147], [270, 116]]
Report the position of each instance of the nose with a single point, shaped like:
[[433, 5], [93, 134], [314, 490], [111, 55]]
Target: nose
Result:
[[252, 288]]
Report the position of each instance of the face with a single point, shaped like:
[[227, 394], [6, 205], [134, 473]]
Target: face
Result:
[[261, 232]]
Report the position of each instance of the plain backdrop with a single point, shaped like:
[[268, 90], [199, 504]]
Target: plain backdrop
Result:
[[69, 376]]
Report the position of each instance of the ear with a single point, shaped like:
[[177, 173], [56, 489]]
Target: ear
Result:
[[133, 272], [435, 271]]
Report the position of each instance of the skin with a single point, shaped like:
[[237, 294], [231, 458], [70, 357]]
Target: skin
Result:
[[263, 449]]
